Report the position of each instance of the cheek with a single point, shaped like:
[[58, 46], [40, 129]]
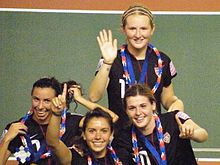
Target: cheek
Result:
[[34, 103], [129, 34], [89, 136], [47, 105], [130, 114]]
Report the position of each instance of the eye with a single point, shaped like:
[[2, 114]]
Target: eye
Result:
[[144, 28], [143, 105], [132, 28], [131, 108], [91, 130], [47, 101], [105, 130], [35, 99]]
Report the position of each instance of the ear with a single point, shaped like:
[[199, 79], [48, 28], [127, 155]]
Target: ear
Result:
[[152, 32], [122, 29], [111, 137], [83, 135], [154, 107]]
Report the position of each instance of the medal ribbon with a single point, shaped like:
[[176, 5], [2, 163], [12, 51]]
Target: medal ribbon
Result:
[[129, 71], [27, 141], [161, 159], [113, 155]]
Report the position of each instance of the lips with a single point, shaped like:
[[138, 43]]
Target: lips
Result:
[[139, 119], [41, 113], [98, 143]]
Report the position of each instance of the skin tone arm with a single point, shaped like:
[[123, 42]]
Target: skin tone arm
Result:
[[13, 131], [75, 90], [53, 130], [52, 136], [108, 48], [169, 101], [190, 130]]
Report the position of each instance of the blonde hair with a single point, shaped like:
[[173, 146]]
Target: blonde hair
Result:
[[137, 9]]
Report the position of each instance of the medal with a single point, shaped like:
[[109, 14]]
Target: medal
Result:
[[129, 72], [22, 154]]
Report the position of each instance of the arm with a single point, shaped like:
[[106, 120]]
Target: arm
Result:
[[109, 52], [13, 131], [169, 101], [53, 130], [75, 90], [190, 130]]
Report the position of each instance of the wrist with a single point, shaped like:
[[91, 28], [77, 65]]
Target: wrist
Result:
[[107, 63], [58, 114]]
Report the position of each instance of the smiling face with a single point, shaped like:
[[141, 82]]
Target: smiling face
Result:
[[41, 103], [138, 31], [140, 111], [97, 135]]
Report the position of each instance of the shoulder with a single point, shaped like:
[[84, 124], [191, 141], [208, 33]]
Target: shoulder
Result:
[[78, 157], [122, 139], [168, 121], [168, 116]]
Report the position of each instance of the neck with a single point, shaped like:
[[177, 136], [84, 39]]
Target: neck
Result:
[[139, 54], [100, 154], [41, 122], [149, 128]]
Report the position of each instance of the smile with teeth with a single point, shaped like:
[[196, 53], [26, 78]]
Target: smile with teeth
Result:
[[98, 143], [41, 112], [139, 119]]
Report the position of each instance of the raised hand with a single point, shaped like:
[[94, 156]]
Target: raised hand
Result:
[[107, 46], [186, 130], [75, 90], [59, 103]]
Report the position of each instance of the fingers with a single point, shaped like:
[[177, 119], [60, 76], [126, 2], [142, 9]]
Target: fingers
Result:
[[18, 126], [15, 129], [64, 90], [109, 35], [104, 36], [56, 102], [75, 90], [178, 120], [186, 131]]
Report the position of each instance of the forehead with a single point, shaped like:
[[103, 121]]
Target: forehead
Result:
[[137, 19], [98, 123], [44, 92], [136, 100]]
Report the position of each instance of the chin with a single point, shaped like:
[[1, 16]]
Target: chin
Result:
[[140, 125]]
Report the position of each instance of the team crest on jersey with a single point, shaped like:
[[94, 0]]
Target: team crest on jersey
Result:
[[166, 138], [156, 69]]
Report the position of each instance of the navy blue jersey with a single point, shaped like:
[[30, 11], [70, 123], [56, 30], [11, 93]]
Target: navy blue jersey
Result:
[[117, 84], [178, 151], [37, 135], [78, 159]]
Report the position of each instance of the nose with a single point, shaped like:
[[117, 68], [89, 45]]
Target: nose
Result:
[[137, 112], [40, 105], [97, 135], [137, 34]]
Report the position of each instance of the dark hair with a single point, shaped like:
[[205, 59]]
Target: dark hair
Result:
[[98, 113], [48, 82], [69, 96], [138, 89], [79, 142]]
